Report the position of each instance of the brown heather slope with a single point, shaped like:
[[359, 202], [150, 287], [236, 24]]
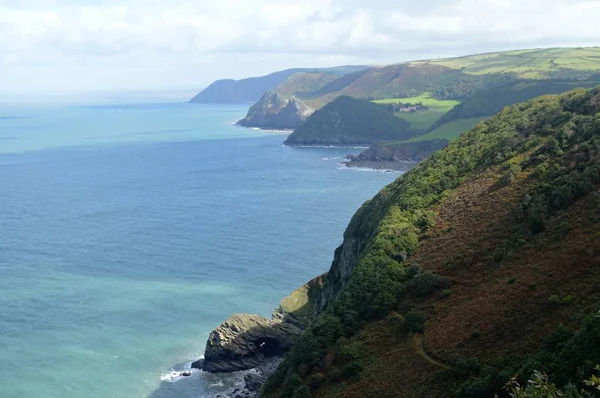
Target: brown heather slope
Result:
[[496, 312], [452, 278]]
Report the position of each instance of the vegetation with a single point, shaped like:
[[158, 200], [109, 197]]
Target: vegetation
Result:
[[449, 130], [452, 215], [422, 119], [349, 121]]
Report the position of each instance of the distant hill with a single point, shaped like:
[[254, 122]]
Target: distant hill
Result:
[[441, 84], [350, 121], [461, 118], [251, 89]]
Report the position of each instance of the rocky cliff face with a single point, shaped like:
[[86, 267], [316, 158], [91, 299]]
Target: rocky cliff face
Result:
[[246, 341], [276, 112], [395, 157]]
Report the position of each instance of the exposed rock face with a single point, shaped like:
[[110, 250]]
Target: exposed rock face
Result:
[[274, 111], [397, 157], [246, 341]]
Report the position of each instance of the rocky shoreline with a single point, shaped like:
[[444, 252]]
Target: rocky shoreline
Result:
[[252, 343], [402, 156]]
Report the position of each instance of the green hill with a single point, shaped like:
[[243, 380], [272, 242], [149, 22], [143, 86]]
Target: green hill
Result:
[[455, 93], [349, 121], [480, 264]]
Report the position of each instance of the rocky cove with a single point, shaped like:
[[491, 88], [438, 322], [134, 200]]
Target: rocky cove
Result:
[[247, 342]]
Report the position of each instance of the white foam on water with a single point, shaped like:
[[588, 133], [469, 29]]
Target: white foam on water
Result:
[[219, 384], [362, 169]]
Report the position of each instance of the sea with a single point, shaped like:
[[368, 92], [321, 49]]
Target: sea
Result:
[[128, 232]]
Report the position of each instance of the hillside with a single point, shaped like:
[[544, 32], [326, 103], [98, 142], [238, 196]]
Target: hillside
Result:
[[276, 112], [464, 115], [458, 78], [251, 89], [349, 121], [479, 264], [484, 82]]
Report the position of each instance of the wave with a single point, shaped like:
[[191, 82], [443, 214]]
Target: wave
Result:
[[344, 167]]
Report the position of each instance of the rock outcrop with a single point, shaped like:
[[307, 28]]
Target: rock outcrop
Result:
[[395, 157], [276, 112], [247, 341], [244, 341]]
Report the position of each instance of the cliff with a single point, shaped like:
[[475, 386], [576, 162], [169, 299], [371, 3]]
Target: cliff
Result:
[[348, 121], [480, 264], [401, 156], [246, 341], [276, 112]]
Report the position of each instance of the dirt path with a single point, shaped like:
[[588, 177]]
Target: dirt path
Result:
[[420, 349]]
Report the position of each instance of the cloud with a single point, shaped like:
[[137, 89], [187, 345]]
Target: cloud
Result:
[[45, 35]]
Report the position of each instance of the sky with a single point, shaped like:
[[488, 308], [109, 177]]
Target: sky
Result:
[[66, 46]]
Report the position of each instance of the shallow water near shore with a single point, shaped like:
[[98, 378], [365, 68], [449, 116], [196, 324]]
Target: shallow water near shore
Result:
[[127, 233]]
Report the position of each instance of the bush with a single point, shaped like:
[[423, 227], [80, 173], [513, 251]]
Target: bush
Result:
[[290, 385], [427, 282], [564, 229], [336, 375], [302, 392], [316, 380], [465, 367], [352, 369], [415, 321], [413, 270]]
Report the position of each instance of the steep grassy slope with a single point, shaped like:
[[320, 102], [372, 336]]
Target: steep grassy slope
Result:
[[458, 78], [350, 121], [457, 276], [479, 106]]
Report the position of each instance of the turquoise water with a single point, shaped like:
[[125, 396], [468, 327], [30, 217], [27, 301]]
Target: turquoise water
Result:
[[128, 232]]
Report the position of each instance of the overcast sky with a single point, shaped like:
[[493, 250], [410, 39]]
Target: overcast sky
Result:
[[83, 45]]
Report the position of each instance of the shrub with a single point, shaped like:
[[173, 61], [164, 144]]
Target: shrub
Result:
[[302, 392], [554, 299], [336, 375], [291, 383], [465, 367], [413, 270], [352, 369], [564, 229], [316, 380], [507, 179], [415, 321], [427, 282]]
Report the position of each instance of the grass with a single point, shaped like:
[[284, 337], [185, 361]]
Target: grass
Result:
[[526, 63], [450, 130], [424, 98], [422, 120]]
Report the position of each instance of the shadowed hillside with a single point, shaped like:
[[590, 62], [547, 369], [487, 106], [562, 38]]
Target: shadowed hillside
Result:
[[480, 264]]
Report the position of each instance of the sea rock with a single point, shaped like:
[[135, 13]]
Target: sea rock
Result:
[[244, 341], [276, 112]]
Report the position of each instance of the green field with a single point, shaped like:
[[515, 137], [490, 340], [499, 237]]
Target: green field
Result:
[[527, 63], [422, 120], [450, 130]]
